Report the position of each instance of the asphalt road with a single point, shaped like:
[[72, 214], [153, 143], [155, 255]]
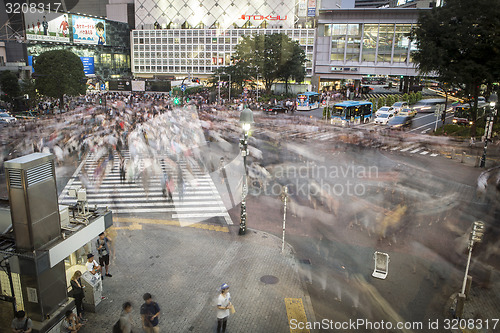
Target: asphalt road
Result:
[[415, 208]]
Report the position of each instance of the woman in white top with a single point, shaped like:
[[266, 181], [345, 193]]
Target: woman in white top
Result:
[[223, 306]]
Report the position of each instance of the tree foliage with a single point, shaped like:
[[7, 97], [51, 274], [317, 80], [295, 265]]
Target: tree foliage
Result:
[[59, 73], [460, 43], [269, 58], [10, 85]]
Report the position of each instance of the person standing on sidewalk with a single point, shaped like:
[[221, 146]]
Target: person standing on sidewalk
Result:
[[21, 323], [223, 307], [103, 250], [77, 293], [150, 312]]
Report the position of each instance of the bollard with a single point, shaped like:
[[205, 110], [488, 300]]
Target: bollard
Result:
[[452, 156], [463, 157], [478, 160], [459, 311]]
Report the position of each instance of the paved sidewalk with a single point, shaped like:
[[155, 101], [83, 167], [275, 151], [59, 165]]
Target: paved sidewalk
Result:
[[482, 306], [183, 267]]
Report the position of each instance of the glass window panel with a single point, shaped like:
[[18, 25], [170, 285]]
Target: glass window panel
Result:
[[401, 42], [386, 36], [338, 33], [370, 35], [353, 42]]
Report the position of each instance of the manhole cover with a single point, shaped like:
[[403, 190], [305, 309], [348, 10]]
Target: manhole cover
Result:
[[269, 279]]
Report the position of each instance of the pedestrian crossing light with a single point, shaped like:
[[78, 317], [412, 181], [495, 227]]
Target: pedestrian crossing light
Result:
[[100, 100], [176, 101]]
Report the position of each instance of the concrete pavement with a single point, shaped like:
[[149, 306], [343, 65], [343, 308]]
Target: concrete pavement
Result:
[[183, 267]]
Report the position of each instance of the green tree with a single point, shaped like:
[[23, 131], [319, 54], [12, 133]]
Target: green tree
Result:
[[381, 102], [271, 57], [28, 88], [458, 43], [10, 86], [59, 73]]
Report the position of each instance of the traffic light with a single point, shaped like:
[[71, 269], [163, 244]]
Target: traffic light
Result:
[[100, 100], [176, 101], [195, 80]]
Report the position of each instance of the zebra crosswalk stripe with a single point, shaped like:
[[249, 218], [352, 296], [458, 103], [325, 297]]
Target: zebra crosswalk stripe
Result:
[[200, 201]]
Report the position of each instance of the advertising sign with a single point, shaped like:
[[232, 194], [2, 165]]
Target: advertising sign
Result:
[[302, 11], [138, 85], [311, 8], [47, 26], [120, 85], [88, 65], [88, 30]]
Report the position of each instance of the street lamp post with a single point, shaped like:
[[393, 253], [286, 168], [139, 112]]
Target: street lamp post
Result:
[[218, 84], [229, 88], [475, 237], [489, 126], [246, 121]]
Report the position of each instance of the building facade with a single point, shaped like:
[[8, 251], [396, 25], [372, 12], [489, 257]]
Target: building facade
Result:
[[103, 45], [353, 43], [199, 51]]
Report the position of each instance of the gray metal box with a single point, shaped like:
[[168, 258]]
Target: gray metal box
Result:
[[31, 183]]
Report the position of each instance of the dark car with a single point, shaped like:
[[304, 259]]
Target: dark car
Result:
[[266, 107], [276, 109], [399, 122]]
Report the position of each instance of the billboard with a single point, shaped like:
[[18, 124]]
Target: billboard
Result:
[[311, 8], [88, 65], [88, 30], [138, 85], [47, 26], [120, 85]]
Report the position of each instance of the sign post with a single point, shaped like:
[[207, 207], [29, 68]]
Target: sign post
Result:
[[439, 110]]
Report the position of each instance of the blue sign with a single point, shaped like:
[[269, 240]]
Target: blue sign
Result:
[[103, 86], [30, 63], [183, 87], [88, 65], [311, 11]]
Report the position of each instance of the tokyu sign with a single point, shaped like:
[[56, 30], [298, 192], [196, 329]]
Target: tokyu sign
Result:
[[262, 17]]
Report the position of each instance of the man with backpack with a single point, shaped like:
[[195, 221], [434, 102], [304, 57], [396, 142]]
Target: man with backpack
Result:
[[21, 324], [103, 250], [150, 312]]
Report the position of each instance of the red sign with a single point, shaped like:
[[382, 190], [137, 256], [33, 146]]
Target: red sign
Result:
[[262, 17]]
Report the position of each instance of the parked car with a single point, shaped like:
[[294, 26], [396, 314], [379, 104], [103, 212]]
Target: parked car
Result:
[[399, 122], [398, 106], [384, 109], [277, 109], [266, 107], [407, 112], [6, 118], [383, 118]]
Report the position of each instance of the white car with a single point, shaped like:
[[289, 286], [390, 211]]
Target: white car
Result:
[[383, 118], [383, 109], [398, 106], [7, 118]]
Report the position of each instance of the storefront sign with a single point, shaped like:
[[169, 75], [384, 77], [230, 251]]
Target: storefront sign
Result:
[[262, 17], [311, 8], [88, 30], [88, 65]]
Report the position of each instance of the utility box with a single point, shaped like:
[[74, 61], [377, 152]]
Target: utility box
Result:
[[31, 183], [92, 291], [64, 215]]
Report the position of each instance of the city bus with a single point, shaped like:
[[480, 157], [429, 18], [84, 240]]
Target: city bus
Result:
[[463, 115], [307, 101], [352, 112]]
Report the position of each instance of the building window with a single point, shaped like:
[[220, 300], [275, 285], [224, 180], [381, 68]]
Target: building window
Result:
[[386, 37], [338, 33], [370, 36], [353, 42], [401, 42]]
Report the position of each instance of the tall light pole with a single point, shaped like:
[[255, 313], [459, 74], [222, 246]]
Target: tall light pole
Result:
[[246, 121], [489, 126], [229, 88], [476, 236], [218, 84]]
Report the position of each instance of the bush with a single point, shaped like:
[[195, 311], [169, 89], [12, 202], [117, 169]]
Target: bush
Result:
[[406, 98], [419, 96], [381, 102], [412, 98]]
